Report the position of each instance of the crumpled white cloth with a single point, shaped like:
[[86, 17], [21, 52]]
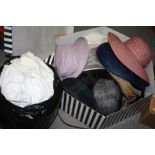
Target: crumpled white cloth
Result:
[[27, 81]]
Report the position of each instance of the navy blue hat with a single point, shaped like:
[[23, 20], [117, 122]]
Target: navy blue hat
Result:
[[108, 59]]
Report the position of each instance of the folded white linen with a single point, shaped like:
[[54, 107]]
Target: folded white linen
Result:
[[27, 81]]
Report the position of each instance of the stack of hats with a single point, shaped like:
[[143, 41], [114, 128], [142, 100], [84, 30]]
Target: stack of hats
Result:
[[126, 61], [121, 77]]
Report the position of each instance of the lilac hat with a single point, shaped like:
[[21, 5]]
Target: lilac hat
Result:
[[70, 60]]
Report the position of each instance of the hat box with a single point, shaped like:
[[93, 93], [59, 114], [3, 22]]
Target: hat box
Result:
[[83, 113]]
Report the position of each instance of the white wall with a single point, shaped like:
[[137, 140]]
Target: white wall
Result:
[[37, 39]]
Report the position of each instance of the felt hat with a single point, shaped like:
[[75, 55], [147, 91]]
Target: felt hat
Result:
[[127, 89], [107, 95], [131, 94], [106, 91], [109, 60], [70, 60], [135, 54]]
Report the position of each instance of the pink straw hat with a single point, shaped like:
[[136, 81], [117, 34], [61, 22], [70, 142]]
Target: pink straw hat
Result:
[[135, 54]]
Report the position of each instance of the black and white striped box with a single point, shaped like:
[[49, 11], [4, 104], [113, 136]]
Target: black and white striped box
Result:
[[8, 39], [93, 119]]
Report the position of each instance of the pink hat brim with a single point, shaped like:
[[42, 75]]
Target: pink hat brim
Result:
[[126, 57]]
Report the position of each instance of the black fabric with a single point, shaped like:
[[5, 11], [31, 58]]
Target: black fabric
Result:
[[92, 76], [80, 91]]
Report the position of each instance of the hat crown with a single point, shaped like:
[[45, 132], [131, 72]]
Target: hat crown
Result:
[[70, 60], [140, 50], [126, 57]]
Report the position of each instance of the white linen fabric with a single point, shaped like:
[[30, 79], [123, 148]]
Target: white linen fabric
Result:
[[27, 81], [93, 62], [95, 39]]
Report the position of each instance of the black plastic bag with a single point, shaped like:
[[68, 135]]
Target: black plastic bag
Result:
[[35, 116]]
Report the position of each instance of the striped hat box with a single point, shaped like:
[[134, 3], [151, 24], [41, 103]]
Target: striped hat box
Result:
[[90, 117], [83, 113], [8, 39], [93, 119], [50, 60]]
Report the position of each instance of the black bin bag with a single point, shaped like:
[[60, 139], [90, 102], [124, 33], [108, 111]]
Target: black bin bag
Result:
[[36, 116]]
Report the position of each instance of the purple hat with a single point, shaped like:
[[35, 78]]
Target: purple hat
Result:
[[70, 60]]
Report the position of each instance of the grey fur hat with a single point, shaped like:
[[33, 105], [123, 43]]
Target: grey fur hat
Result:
[[108, 96]]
